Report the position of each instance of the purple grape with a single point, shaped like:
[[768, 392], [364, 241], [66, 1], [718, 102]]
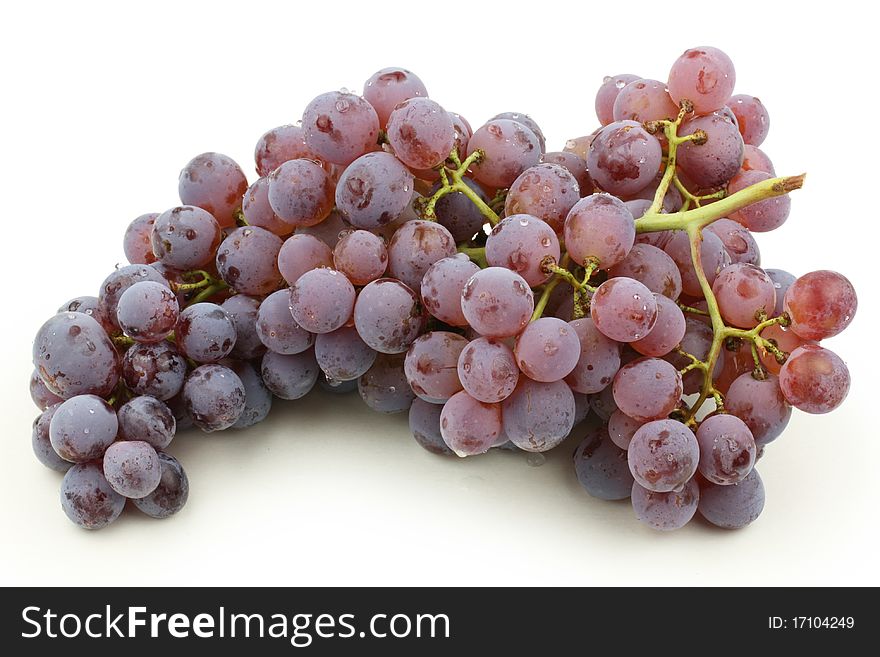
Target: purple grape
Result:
[[666, 511], [339, 127], [322, 300], [182, 418], [301, 193], [621, 428], [575, 165], [814, 379], [415, 246], [714, 257], [215, 183], [735, 506], [74, 356], [652, 267], [663, 455], [545, 191], [247, 261], [599, 358], [214, 397], [761, 405], [361, 256], [431, 365], [87, 499], [205, 333], [738, 241], [91, 306], [522, 243], [290, 376], [602, 404], [132, 469], [820, 304], [421, 133], [279, 145], [581, 407], [147, 312], [527, 121], [668, 331], [243, 310], [277, 329], [705, 76], [643, 101], [82, 428], [257, 397], [136, 241], [157, 370], [458, 213], [328, 231], [599, 226], [389, 87], [388, 316], [384, 388], [342, 355], [751, 117], [487, 370], [374, 190], [762, 216], [623, 158], [497, 302], [185, 237], [42, 396], [469, 426], [727, 449], [442, 285], [258, 211], [782, 280], [510, 148], [171, 494], [42, 444], [424, 423], [548, 349], [116, 284], [302, 253], [713, 163], [623, 309], [601, 466], [647, 389], [611, 87], [538, 416], [742, 292], [147, 419]]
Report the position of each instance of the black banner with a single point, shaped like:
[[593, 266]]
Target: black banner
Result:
[[334, 621]]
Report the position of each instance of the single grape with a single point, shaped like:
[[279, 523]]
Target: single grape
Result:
[[42, 443], [328, 231], [277, 329], [599, 359], [718, 159], [538, 416], [243, 310], [652, 267], [487, 370], [663, 455], [171, 494], [157, 370], [374, 190], [257, 397], [548, 349], [115, 285], [782, 280], [361, 256], [421, 133], [785, 339], [545, 191], [623, 309], [431, 365], [744, 293], [761, 405], [601, 466], [738, 241], [497, 302], [205, 333], [82, 428], [87, 499], [754, 159], [647, 389], [258, 211], [214, 397], [442, 285], [668, 330], [611, 87], [643, 101], [621, 428], [42, 396], [147, 419], [523, 243], [820, 304], [762, 216], [575, 165], [90, 306], [602, 403], [751, 117], [705, 76], [278, 145], [74, 356], [712, 252], [599, 226], [458, 213], [132, 469], [624, 158], [469, 426], [415, 246], [389, 87], [527, 121], [509, 149], [290, 376], [136, 241], [384, 387], [301, 193], [735, 506], [322, 300], [185, 237], [814, 379], [339, 127], [247, 261], [147, 311], [424, 423], [215, 183], [342, 355], [302, 253], [727, 449], [666, 511], [388, 316]]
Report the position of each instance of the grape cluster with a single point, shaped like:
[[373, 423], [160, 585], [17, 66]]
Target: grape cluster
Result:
[[503, 295]]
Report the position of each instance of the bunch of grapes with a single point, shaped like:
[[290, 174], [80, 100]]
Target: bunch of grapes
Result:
[[505, 296]]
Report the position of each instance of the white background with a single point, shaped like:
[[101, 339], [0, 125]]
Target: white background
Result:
[[103, 104]]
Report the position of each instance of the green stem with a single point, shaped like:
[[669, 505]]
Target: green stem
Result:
[[457, 184], [208, 292], [541, 305], [475, 253]]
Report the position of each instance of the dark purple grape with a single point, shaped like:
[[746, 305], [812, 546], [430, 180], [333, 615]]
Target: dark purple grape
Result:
[[157, 370], [82, 428], [342, 355], [214, 396], [243, 310], [42, 444], [290, 376], [131, 467], [258, 398], [424, 423], [538, 416], [147, 419], [388, 316], [91, 306], [733, 507], [115, 285], [601, 466], [147, 311], [322, 300], [42, 396], [384, 388], [87, 498], [666, 511], [277, 329], [172, 492], [205, 333], [458, 213]]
